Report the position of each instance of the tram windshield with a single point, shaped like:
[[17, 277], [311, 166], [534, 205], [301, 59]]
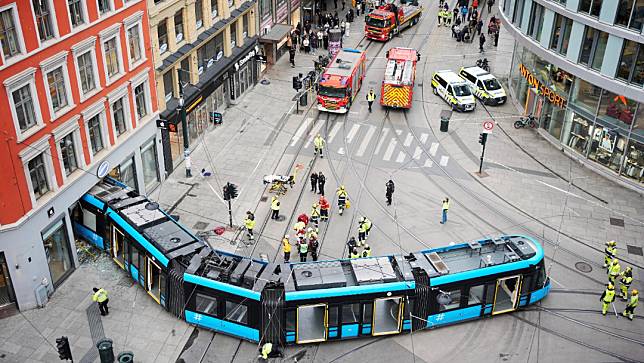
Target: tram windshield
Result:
[[378, 23], [332, 92]]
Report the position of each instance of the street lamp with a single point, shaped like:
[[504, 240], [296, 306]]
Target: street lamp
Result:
[[184, 125]]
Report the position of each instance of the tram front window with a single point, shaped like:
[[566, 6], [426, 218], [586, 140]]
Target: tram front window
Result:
[[332, 92]]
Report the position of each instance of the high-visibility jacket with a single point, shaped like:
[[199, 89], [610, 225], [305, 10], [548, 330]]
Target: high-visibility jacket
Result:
[[633, 302], [266, 350], [362, 228], [315, 212], [275, 204], [318, 142], [354, 255], [610, 251], [286, 245], [367, 224], [627, 277], [614, 269], [312, 235], [304, 248], [249, 223], [342, 193], [366, 252], [371, 96], [100, 295], [608, 296], [445, 205], [299, 227]]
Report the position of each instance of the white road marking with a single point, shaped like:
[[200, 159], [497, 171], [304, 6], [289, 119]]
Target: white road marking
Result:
[[314, 132], [423, 138], [444, 160], [334, 132], [557, 282], [365, 141], [401, 157], [428, 163], [433, 149], [390, 149], [399, 132], [417, 152], [408, 140], [352, 133], [341, 151], [300, 130], [385, 131]]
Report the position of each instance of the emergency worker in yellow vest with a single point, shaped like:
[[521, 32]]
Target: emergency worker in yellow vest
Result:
[[613, 271], [610, 252], [318, 143], [371, 96], [632, 304], [607, 298], [100, 296], [625, 282]]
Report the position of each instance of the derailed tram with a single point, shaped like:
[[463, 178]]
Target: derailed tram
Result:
[[310, 302]]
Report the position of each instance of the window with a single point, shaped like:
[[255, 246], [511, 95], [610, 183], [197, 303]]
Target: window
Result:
[[236, 312], [178, 25], [536, 21], [624, 11], [38, 175], [56, 243], [476, 295], [44, 21], [134, 260], [231, 3], [104, 6], [150, 169], [367, 313], [68, 154], [206, 304], [112, 64], [126, 173], [587, 45], [561, 34], [95, 134], [118, 113], [57, 91], [350, 313], [168, 85], [86, 72], [245, 25], [213, 9], [518, 12], [454, 298], [591, 7], [631, 63], [600, 48], [593, 48], [134, 42], [76, 13], [140, 101], [265, 8], [198, 14], [637, 16], [24, 106], [233, 35], [162, 35], [8, 34], [219, 46]]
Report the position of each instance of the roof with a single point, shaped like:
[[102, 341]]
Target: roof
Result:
[[476, 71], [400, 66], [341, 66], [450, 76], [276, 34]]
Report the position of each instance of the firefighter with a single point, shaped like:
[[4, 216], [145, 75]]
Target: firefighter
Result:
[[362, 231], [366, 252], [286, 245], [275, 208], [614, 271], [607, 298], [625, 282], [315, 215], [318, 143], [324, 209], [371, 96], [304, 250], [342, 199], [303, 218], [610, 252], [249, 223], [632, 304]]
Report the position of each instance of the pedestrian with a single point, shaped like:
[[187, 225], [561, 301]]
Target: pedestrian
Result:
[[368, 226], [286, 246], [457, 21], [343, 4], [343, 26], [447, 16], [318, 144], [351, 244], [306, 44], [358, 7], [342, 199], [625, 282], [607, 298], [354, 253], [496, 37], [464, 14], [325, 37], [347, 26], [479, 26], [632, 304], [324, 209], [291, 56], [321, 182], [455, 31], [481, 42], [489, 5], [314, 182], [275, 208], [614, 271], [366, 252], [440, 15], [440, 3], [315, 215], [304, 250], [610, 252], [371, 96], [249, 223], [100, 296], [303, 218], [389, 191], [475, 4], [300, 230], [362, 232], [445, 209], [313, 246]]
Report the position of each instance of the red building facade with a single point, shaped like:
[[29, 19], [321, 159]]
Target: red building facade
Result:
[[78, 92]]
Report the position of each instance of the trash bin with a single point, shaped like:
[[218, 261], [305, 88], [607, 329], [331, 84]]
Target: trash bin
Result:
[[304, 99], [445, 116], [125, 357], [105, 350]]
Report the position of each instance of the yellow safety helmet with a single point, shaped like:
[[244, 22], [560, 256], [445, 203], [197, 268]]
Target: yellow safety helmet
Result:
[[615, 260], [286, 236], [341, 186], [613, 243], [611, 287], [635, 292], [629, 268]]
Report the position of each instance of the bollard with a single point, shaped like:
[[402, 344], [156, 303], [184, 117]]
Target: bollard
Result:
[[105, 350], [444, 124], [125, 357]]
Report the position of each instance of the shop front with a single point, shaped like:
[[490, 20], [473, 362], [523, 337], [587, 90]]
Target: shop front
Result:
[[584, 119], [57, 251]]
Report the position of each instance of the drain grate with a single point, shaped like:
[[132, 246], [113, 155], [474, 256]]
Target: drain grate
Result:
[[201, 225], [583, 267], [634, 250], [617, 222]]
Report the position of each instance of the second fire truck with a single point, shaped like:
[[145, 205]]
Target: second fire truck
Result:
[[398, 85], [389, 19], [341, 81]]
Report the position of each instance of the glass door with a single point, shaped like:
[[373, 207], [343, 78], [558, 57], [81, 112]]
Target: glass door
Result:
[[154, 280], [311, 323], [506, 295], [7, 295], [387, 315], [118, 248]]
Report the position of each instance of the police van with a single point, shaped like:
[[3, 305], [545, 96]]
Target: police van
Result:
[[454, 90], [484, 85]]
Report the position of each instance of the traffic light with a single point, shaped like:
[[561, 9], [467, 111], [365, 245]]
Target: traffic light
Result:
[[482, 138], [297, 83], [230, 191], [64, 351]]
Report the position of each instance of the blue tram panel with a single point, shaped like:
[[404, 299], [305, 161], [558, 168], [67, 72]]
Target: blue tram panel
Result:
[[300, 303]]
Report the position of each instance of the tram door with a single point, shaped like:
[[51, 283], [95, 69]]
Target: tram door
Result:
[[312, 323], [506, 294], [154, 280], [118, 247], [387, 315]]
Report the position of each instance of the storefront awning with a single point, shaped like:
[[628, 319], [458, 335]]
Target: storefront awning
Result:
[[277, 33]]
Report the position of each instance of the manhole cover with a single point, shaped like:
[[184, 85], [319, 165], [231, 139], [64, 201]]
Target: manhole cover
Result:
[[200, 225], [583, 267], [617, 222], [265, 82], [634, 250]]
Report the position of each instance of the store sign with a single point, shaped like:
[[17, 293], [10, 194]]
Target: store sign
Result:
[[544, 90], [243, 61]]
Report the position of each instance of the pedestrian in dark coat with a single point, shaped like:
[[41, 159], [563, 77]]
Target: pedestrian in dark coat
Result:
[[489, 5], [314, 182], [291, 56], [481, 42], [390, 191], [479, 26], [496, 37], [321, 182]]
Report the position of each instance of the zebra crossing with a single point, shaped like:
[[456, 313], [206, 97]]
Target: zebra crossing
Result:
[[391, 146]]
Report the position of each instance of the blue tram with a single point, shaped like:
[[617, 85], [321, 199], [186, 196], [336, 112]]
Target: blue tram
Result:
[[299, 303]]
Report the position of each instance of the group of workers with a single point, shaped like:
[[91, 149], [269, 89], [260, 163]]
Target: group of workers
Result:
[[364, 227], [611, 263]]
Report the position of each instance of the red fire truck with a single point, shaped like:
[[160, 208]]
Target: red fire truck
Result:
[[388, 20], [398, 86], [341, 81]]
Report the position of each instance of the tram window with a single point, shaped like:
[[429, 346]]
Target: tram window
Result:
[[476, 295], [455, 297], [236, 312], [206, 304], [541, 276], [489, 293], [135, 257], [126, 249], [526, 286], [89, 219], [290, 319], [367, 313], [333, 315], [350, 313], [162, 284]]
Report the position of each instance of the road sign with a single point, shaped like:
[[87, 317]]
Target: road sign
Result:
[[488, 126], [162, 124]]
